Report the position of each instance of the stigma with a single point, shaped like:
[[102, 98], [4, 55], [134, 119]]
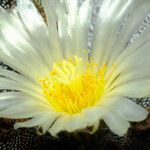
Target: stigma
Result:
[[73, 85]]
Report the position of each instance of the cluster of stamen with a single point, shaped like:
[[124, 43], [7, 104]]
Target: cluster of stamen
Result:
[[73, 85]]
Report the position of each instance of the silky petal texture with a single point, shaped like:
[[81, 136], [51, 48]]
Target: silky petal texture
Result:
[[73, 36], [124, 107], [68, 123], [120, 110], [116, 123], [137, 88], [45, 119], [56, 127], [106, 24], [108, 50], [19, 78], [130, 28], [49, 122], [13, 85], [36, 45], [59, 9], [94, 113], [7, 99], [130, 111], [52, 27], [20, 97], [19, 52], [24, 110], [89, 117], [38, 31], [125, 74]]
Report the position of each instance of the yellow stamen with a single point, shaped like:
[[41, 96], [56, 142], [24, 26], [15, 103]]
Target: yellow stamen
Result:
[[73, 85]]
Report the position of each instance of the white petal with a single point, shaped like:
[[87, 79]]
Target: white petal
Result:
[[108, 44], [135, 73], [37, 28], [116, 123], [139, 64], [94, 113], [6, 83], [18, 51], [37, 120], [8, 99], [131, 26], [73, 35], [69, 123], [57, 126], [45, 119], [75, 122], [56, 11], [80, 32], [130, 111], [133, 88], [25, 109], [119, 111], [52, 28], [48, 123], [102, 38], [20, 78]]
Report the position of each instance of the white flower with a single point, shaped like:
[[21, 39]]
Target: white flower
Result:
[[57, 85]]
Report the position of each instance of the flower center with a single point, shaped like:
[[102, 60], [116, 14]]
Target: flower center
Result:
[[73, 85]]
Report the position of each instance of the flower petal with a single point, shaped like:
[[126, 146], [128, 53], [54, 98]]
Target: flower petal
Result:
[[133, 88], [74, 37], [130, 111], [115, 33], [25, 109], [45, 119], [94, 113], [38, 30], [116, 123], [6, 83], [18, 52], [19, 78]]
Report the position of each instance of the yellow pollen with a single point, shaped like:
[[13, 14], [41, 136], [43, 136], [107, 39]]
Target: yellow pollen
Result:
[[73, 85]]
